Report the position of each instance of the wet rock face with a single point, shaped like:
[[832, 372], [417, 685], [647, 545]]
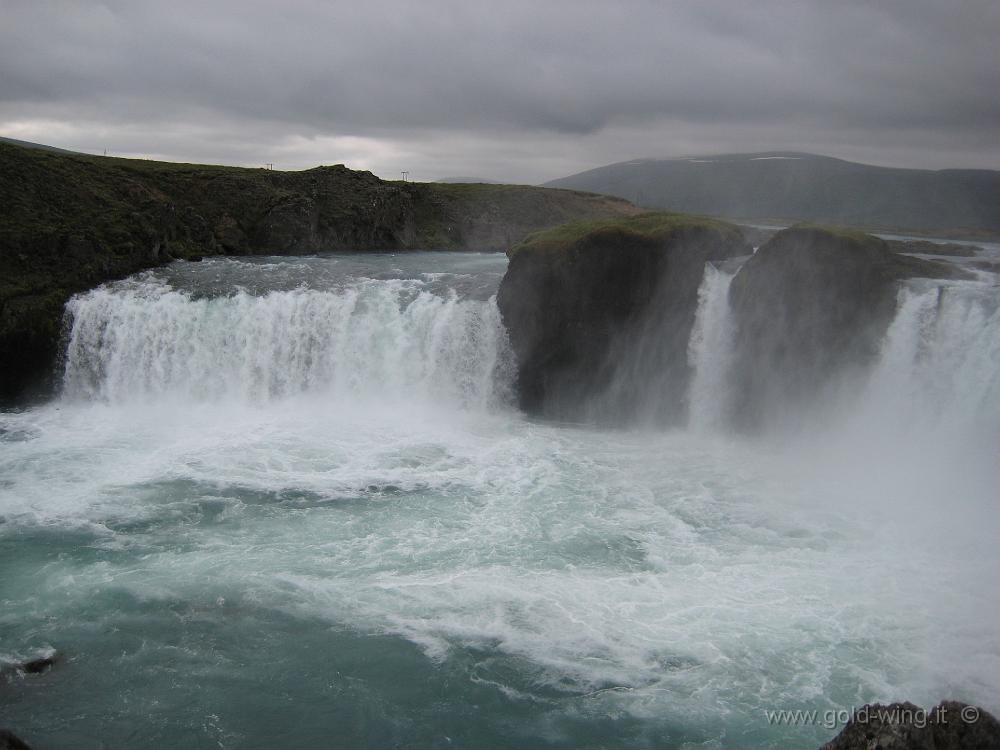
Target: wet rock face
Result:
[[36, 665], [9, 741], [594, 313], [811, 307], [600, 315], [903, 726]]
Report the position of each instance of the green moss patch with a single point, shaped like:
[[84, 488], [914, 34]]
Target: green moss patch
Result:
[[642, 228]]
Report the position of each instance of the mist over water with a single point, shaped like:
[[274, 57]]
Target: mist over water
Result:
[[938, 369], [939, 363], [289, 501]]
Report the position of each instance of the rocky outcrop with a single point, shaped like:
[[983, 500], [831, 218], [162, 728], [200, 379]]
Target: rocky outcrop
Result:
[[596, 309], [810, 307], [37, 665], [993, 266], [927, 247], [904, 726], [70, 222], [10, 741], [600, 315]]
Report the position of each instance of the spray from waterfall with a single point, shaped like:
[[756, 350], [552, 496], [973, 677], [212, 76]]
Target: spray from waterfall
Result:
[[402, 339], [938, 369]]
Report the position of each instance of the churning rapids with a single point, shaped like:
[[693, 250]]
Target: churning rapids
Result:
[[290, 503]]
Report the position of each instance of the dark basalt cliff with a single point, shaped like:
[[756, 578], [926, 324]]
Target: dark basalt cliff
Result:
[[10, 741], [69, 222], [600, 314], [812, 304], [594, 309]]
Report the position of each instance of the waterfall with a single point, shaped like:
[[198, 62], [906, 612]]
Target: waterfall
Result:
[[379, 338], [404, 339], [939, 367], [710, 353]]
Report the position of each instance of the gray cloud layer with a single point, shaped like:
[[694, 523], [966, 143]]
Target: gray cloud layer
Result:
[[520, 90]]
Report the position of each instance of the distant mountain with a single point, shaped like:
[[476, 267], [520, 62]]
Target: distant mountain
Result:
[[790, 187], [468, 180]]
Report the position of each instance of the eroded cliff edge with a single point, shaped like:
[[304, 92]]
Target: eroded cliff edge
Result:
[[810, 309], [70, 222], [595, 310], [600, 315]]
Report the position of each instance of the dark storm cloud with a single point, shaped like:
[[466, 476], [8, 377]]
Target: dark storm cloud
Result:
[[562, 85]]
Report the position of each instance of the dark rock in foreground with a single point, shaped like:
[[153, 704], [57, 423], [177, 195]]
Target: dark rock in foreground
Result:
[[10, 741], [904, 726], [37, 665], [596, 309], [811, 306], [993, 266]]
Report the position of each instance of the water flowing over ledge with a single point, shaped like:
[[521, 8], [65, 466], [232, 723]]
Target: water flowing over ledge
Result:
[[403, 338], [710, 353], [938, 368], [389, 339], [306, 477]]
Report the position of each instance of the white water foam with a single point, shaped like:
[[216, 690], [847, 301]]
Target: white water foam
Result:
[[710, 353], [386, 339], [325, 454], [939, 367]]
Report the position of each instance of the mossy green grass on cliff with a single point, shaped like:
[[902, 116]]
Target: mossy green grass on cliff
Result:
[[807, 237], [646, 227], [844, 233]]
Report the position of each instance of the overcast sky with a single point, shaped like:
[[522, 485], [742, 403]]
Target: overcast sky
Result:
[[499, 89]]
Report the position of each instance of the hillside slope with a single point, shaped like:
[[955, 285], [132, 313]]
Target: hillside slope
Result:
[[70, 222], [794, 187], [29, 144]]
